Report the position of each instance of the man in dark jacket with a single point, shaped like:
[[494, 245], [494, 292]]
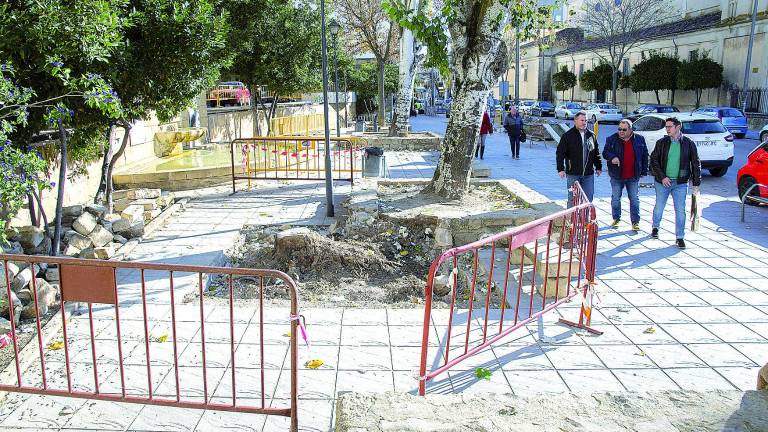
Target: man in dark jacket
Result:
[[674, 161], [513, 124], [578, 157], [627, 157]]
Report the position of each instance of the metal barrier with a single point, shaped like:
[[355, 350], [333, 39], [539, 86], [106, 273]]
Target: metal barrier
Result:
[[303, 124], [295, 158], [556, 257], [143, 369]]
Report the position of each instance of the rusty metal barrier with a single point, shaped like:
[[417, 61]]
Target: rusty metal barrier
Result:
[[294, 158], [135, 364], [551, 260]]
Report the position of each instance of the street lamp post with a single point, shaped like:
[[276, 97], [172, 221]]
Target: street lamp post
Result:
[[334, 28], [328, 167]]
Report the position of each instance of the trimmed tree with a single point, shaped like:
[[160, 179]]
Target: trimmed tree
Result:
[[699, 74], [656, 73], [597, 79], [478, 57], [564, 80], [276, 44]]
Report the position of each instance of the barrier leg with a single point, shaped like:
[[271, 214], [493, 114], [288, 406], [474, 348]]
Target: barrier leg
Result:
[[585, 311]]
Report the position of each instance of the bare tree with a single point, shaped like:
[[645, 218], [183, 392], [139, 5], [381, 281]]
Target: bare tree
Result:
[[412, 55], [617, 26], [368, 28]]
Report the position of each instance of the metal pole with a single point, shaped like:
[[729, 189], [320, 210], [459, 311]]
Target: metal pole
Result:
[[517, 65], [328, 167], [749, 57], [346, 122], [336, 86]]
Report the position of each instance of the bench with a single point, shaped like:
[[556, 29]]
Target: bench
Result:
[[752, 198]]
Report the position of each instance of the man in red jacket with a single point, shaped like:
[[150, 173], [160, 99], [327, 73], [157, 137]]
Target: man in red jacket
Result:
[[485, 128]]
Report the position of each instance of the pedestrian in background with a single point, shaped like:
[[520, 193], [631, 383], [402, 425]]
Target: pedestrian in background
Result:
[[578, 157], [627, 157], [513, 124], [486, 127], [674, 162]]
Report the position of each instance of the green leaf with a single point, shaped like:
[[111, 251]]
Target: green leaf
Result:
[[483, 373]]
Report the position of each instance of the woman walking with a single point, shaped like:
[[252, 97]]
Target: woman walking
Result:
[[485, 128], [513, 124]]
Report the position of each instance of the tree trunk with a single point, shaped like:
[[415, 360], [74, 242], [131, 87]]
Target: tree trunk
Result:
[[672, 101], [100, 196], [255, 109], [614, 83], [126, 137], [31, 208], [410, 60], [382, 105], [43, 216], [478, 59], [698, 97], [658, 101], [60, 196]]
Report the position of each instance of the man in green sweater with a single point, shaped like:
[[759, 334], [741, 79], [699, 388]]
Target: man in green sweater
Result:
[[674, 162]]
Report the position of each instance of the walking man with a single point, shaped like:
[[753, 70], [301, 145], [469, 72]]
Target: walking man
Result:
[[513, 124], [674, 161], [578, 157], [627, 157]]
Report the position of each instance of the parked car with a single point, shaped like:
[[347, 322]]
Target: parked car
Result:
[[764, 134], [542, 108], [524, 107], [732, 118], [713, 141], [567, 110], [754, 171], [651, 108], [603, 112]]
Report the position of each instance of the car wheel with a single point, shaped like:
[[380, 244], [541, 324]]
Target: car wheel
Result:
[[744, 184], [740, 135], [718, 172], [764, 137]]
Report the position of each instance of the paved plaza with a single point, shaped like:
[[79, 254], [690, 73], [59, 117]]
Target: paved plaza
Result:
[[673, 319]]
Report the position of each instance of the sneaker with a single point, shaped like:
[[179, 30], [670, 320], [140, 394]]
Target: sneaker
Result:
[[615, 223], [655, 233], [635, 227], [681, 243], [517, 157]]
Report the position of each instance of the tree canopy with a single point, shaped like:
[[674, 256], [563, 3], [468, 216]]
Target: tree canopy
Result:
[[655, 73], [597, 79], [564, 80], [699, 74]]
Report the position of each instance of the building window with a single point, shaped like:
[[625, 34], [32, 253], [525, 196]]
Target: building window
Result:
[[525, 73], [693, 55], [625, 67], [581, 70]]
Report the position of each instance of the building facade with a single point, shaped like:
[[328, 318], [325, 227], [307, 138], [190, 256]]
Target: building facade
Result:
[[718, 29]]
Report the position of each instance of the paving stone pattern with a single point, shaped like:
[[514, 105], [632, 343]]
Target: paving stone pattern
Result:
[[694, 319]]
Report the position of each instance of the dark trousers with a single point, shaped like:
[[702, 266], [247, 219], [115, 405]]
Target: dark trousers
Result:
[[514, 145]]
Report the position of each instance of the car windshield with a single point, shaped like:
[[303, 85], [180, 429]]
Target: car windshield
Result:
[[546, 105], [730, 112], [667, 109], [573, 106], [703, 127]]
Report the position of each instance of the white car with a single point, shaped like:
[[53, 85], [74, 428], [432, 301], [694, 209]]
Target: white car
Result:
[[603, 112], [524, 107], [713, 141], [764, 134], [567, 110]]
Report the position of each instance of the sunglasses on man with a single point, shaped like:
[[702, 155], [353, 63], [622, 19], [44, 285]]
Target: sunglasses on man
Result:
[[623, 129]]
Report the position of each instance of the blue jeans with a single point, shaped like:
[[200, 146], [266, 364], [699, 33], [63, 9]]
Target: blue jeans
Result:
[[632, 186], [587, 184], [678, 192]]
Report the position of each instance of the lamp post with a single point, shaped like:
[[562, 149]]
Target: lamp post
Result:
[[328, 167], [334, 28]]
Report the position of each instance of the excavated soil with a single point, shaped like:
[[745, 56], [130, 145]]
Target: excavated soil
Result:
[[407, 199]]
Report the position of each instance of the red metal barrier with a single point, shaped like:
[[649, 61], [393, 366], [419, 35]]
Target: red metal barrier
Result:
[[146, 299], [558, 250], [294, 158]]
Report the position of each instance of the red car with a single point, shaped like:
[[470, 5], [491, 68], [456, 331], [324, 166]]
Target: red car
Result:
[[754, 171]]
